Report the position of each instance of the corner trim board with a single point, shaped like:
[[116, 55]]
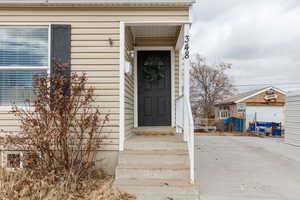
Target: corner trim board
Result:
[[122, 88]]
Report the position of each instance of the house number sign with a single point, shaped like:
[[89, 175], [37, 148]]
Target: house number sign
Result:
[[186, 47]]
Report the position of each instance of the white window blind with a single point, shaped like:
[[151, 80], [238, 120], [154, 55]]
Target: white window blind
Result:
[[23, 46], [23, 54]]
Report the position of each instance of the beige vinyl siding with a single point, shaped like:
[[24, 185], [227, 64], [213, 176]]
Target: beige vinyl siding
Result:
[[292, 120], [91, 52], [129, 86]]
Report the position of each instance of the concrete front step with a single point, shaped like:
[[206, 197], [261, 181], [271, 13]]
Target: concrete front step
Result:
[[155, 167], [155, 138], [159, 130], [152, 171], [159, 189], [163, 188], [163, 143], [149, 157]]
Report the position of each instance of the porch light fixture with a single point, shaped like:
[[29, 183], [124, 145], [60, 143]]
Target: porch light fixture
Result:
[[130, 54], [128, 68]]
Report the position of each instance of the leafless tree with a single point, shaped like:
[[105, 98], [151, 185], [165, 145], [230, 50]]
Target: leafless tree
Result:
[[209, 84]]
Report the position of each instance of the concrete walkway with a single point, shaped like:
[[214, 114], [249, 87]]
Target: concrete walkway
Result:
[[247, 168]]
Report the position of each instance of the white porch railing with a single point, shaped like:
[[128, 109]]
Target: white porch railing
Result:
[[185, 124], [179, 114], [184, 117]]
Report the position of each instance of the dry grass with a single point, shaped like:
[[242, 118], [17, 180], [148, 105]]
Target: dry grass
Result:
[[24, 185]]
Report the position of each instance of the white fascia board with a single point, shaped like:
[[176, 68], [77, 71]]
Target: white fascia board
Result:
[[101, 2], [263, 90], [21, 1], [157, 23], [116, 1]]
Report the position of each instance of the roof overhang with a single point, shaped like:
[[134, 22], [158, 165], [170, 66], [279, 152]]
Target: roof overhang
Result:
[[154, 31], [260, 91], [99, 3]]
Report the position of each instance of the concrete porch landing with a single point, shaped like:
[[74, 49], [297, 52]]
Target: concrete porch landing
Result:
[[155, 167]]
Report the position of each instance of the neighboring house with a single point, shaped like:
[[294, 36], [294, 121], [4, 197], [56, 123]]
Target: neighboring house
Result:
[[292, 119], [266, 104], [135, 54]]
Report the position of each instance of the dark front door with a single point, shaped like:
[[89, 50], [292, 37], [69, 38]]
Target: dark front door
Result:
[[154, 88]]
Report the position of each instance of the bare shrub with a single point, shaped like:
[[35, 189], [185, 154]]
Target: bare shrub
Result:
[[61, 132]]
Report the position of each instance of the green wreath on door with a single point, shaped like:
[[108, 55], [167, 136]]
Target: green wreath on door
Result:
[[154, 68]]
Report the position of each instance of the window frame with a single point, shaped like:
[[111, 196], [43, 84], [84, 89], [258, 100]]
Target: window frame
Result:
[[223, 114], [47, 68], [20, 154]]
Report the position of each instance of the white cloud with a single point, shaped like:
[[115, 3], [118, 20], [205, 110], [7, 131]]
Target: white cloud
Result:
[[261, 38]]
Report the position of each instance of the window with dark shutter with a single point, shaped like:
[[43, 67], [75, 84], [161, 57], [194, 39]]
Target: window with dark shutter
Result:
[[61, 51], [23, 54]]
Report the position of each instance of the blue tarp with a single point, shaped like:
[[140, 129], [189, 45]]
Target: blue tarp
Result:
[[268, 124], [238, 124], [262, 127]]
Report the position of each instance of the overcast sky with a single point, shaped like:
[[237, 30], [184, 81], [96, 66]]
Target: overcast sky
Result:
[[260, 38]]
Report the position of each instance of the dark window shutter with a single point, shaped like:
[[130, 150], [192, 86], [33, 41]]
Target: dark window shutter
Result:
[[61, 51]]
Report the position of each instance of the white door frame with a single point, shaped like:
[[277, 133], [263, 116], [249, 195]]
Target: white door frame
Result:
[[154, 48], [122, 76]]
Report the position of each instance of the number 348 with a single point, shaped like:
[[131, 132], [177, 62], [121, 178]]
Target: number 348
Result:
[[187, 47]]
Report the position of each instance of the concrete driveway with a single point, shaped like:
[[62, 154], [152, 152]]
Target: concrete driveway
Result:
[[247, 168]]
